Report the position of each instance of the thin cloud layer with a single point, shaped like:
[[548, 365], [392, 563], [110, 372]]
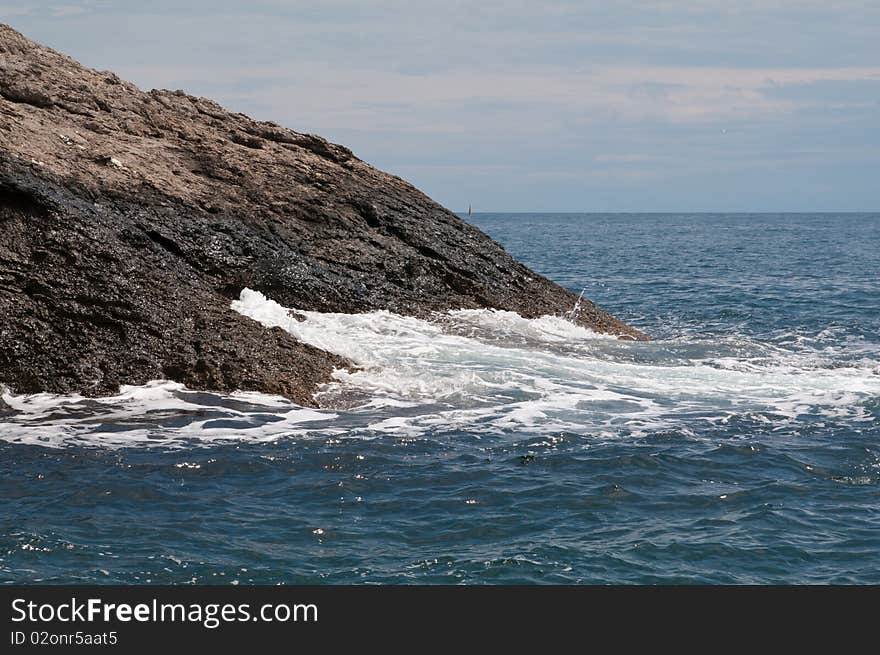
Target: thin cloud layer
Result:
[[765, 105]]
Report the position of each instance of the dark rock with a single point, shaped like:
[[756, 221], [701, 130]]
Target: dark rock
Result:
[[129, 219], [16, 91], [246, 140]]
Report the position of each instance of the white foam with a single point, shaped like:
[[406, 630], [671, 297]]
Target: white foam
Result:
[[482, 371], [549, 329], [160, 413], [561, 376]]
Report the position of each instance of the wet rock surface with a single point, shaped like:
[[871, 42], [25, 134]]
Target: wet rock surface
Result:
[[129, 219]]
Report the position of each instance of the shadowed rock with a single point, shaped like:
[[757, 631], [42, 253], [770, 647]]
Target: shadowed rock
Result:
[[129, 220]]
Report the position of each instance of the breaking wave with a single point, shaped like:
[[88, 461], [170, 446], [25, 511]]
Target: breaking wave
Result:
[[484, 371]]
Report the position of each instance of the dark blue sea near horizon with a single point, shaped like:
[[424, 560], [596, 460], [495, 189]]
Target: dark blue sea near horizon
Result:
[[741, 445]]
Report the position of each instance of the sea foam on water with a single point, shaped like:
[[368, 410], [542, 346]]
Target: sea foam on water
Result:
[[484, 371]]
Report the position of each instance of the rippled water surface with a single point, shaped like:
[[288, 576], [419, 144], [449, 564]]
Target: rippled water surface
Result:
[[741, 445]]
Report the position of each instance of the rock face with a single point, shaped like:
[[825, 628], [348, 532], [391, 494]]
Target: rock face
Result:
[[129, 220]]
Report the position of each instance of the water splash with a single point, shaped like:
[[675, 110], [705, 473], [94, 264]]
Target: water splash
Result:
[[483, 372], [575, 311]]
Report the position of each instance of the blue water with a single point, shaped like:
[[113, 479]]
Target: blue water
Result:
[[741, 446]]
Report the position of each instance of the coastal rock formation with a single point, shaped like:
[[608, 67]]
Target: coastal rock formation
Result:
[[130, 219]]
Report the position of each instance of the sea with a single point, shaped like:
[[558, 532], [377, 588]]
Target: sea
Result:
[[741, 445]]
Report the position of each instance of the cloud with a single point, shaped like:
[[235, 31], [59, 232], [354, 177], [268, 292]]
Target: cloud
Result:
[[457, 101], [540, 102], [13, 11], [64, 11]]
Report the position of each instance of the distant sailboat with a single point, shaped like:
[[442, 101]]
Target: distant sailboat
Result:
[[469, 210]]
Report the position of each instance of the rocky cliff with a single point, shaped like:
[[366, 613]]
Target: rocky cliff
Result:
[[129, 219]]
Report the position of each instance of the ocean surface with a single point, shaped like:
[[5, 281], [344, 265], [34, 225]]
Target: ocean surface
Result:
[[742, 445]]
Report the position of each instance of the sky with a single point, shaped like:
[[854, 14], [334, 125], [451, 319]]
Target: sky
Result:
[[699, 105]]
